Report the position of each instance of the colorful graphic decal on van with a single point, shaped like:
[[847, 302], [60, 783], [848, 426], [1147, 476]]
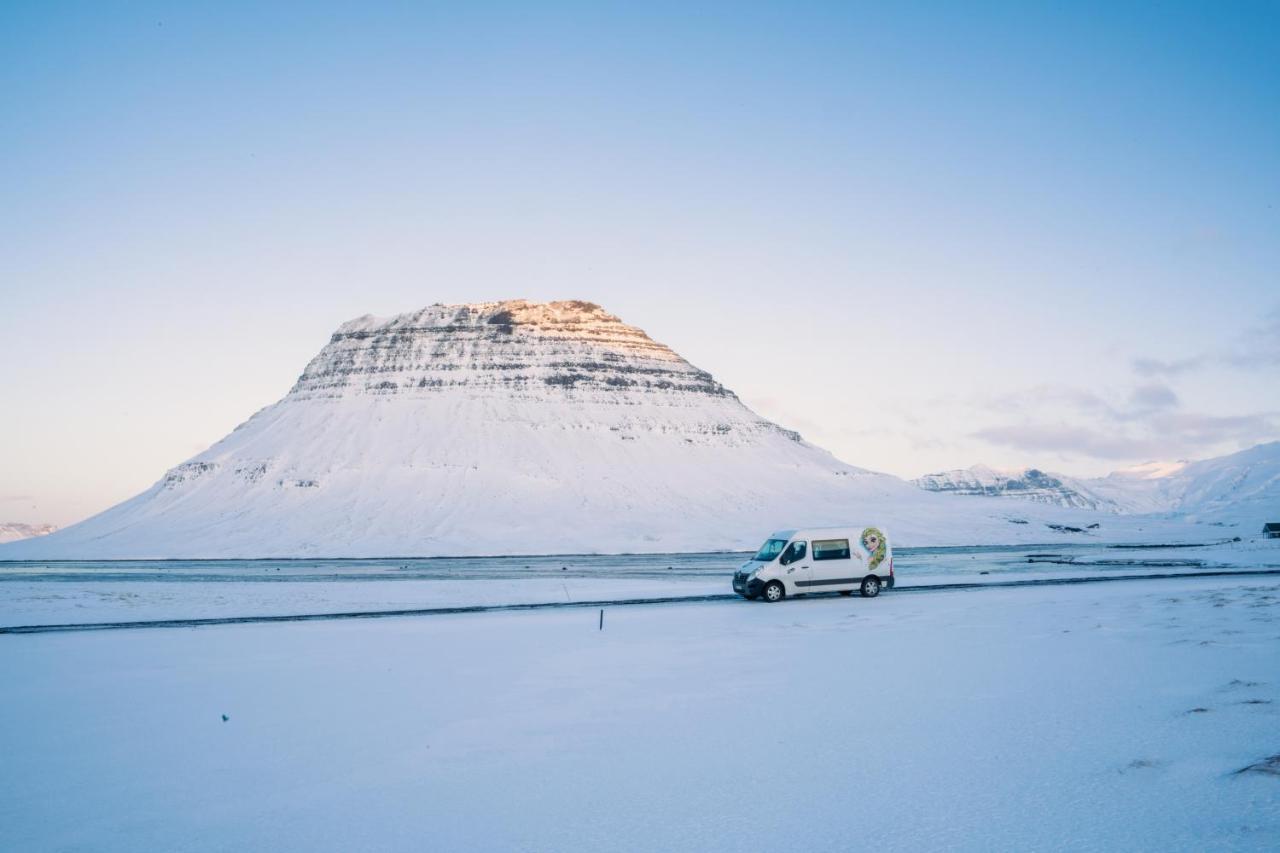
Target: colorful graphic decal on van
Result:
[[873, 541]]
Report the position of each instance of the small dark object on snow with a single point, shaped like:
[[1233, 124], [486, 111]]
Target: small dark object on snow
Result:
[[225, 718], [564, 568], [1094, 526], [1198, 711], [984, 573], [1267, 767]]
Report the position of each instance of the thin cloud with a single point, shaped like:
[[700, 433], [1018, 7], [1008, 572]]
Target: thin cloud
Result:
[[1149, 423], [1156, 367], [1146, 398], [1040, 396], [1258, 347], [1050, 438], [1161, 435], [1193, 428]]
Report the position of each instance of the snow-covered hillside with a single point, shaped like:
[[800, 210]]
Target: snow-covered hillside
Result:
[[1029, 484], [1242, 489], [1149, 487], [518, 428]]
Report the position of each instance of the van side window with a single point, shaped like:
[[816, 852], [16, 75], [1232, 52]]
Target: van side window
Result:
[[831, 549], [795, 551]]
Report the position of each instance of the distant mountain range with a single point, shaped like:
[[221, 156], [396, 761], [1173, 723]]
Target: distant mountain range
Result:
[[1029, 484], [13, 531], [1242, 487], [526, 428], [551, 428]]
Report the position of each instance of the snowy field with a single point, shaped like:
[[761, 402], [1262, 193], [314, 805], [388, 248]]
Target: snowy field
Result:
[[1104, 717], [42, 593]]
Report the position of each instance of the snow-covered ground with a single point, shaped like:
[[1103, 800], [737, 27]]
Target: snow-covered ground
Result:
[[79, 593], [1107, 717]]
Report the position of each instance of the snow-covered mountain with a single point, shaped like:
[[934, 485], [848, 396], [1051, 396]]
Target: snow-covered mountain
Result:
[[1242, 488], [12, 531], [515, 428], [1029, 484], [1154, 487]]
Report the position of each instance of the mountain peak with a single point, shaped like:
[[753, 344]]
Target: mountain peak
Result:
[[494, 427], [1030, 484], [1149, 470], [515, 346], [564, 314]]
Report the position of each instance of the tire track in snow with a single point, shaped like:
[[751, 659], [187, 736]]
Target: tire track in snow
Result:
[[621, 602]]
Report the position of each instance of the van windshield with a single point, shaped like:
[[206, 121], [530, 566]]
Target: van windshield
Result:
[[770, 550]]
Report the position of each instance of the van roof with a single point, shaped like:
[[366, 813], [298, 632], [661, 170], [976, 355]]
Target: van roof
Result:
[[811, 532]]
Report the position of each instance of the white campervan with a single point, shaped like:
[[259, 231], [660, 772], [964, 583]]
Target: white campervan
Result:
[[822, 559]]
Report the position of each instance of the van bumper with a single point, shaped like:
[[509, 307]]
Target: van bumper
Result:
[[747, 588]]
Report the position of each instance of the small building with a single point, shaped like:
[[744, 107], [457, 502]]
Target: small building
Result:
[[1271, 530]]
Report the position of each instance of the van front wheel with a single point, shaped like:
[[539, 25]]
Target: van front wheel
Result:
[[870, 586], [773, 591]]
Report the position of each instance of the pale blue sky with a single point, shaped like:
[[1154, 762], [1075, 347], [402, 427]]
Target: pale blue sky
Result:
[[925, 235]]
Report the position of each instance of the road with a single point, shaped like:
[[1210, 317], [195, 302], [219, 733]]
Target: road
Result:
[[625, 602]]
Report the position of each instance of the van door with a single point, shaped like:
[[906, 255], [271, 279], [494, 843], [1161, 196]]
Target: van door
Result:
[[794, 566], [834, 565]]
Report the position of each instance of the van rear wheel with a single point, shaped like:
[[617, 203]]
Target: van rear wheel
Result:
[[773, 591], [870, 586]]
